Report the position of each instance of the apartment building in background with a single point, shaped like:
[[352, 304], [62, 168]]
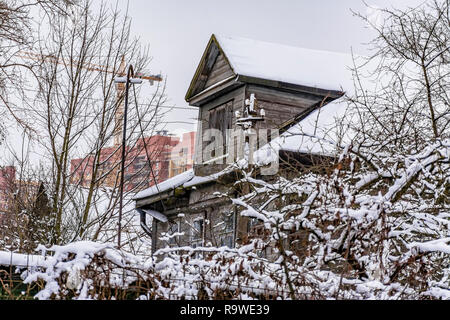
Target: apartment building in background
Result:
[[149, 161]]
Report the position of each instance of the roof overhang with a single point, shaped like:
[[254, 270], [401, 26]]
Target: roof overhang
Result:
[[155, 214], [214, 91], [333, 94], [141, 202]]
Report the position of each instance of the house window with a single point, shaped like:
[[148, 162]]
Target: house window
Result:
[[226, 230], [229, 221], [197, 233], [174, 228], [221, 118], [226, 241]]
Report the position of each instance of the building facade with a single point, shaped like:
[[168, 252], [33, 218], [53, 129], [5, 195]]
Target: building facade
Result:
[[239, 84]]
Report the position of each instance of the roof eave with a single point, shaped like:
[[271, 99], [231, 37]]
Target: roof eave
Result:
[[140, 202], [331, 93], [209, 93]]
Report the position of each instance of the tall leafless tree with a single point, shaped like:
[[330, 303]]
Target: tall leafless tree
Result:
[[75, 111]]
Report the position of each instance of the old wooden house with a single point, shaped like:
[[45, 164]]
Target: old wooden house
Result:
[[288, 83]]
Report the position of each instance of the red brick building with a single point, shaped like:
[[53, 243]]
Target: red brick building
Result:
[[16, 194], [150, 160]]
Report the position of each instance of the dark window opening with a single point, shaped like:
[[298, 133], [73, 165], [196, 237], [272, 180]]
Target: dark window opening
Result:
[[221, 118]]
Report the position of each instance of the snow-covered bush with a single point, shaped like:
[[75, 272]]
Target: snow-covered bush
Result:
[[367, 235], [375, 234]]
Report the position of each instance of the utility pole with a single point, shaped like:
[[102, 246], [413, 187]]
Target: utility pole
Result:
[[129, 79], [120, 81]]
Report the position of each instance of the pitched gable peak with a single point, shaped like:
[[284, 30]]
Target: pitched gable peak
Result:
[[214, 67], [273, 62]]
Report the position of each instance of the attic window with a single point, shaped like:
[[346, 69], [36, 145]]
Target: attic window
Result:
[[221, 118]]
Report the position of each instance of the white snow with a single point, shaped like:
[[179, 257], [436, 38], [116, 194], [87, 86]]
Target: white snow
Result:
[[278, 62], [186, 179], [82, 253], [314, 134], [20, 260], [168, 184], [441, 245]]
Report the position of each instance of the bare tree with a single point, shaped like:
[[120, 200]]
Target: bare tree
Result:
[[370, 223], [16, 33], [403, 98], [76, 111]]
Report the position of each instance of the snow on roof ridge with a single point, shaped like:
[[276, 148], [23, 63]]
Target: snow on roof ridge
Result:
[[222, 36], [323, 69]]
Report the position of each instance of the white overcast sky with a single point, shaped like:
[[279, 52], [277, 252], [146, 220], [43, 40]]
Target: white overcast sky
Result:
[[177, 31]]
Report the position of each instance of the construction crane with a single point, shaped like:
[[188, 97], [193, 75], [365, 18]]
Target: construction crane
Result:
[[120, 87]]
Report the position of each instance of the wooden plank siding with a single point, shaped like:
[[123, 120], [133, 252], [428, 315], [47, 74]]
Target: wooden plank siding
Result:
[[205, 69], [209, 118], [219, 92], [279, 105], [220, 71]]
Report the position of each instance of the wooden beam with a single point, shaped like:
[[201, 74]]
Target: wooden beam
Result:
[[291, 87]]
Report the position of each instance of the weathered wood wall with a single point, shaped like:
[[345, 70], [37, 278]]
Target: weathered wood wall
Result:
[[220, 71], [280, 106]]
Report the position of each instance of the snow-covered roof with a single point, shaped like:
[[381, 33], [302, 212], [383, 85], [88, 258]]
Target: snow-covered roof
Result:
[[185, 179], [168, 184], [317, 132], [278, 62]]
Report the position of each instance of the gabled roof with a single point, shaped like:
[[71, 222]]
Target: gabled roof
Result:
[[275, 63], [198, 82], [311, 133]]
